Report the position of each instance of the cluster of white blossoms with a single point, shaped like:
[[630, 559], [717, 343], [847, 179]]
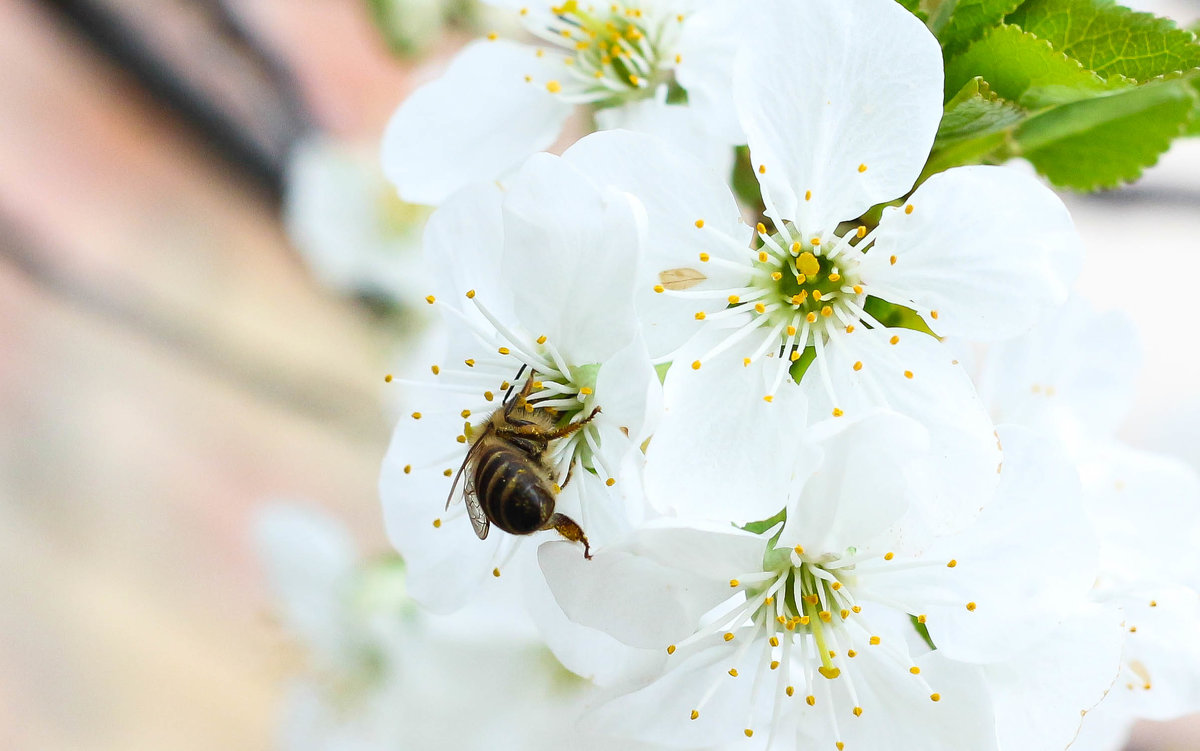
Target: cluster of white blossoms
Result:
[[834, 476]]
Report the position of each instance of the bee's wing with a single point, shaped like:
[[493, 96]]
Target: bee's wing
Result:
[[479, 519], [466, 460]]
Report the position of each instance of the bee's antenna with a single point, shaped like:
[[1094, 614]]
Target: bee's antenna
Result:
[[516, 379]]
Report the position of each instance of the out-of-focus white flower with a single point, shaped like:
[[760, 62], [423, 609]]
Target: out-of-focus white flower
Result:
[[342, 214], [805, 630], [384, 676], [536, 284], [1072, 376], [500, 101]]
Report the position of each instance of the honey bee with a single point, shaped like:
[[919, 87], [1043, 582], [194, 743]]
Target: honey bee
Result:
[[509, 482]]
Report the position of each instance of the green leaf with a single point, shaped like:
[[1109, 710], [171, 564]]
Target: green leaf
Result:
[[760, 527], [1110, 39], [1024, 69], [970, 20], [976, 111], [1103, 142], [923, 631]]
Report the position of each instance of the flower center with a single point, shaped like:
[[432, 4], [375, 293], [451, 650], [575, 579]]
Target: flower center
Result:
[[617, 51]]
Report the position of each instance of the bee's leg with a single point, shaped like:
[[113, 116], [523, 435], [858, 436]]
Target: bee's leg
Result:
[[569, 428], [567, 527]]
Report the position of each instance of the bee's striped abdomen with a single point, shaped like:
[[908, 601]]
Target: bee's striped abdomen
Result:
[[512, 493]]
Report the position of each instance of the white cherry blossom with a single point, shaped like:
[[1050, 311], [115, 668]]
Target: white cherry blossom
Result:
[[537, 289], [500, 101]]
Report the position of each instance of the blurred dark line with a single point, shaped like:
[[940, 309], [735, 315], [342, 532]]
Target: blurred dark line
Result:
[[343, 407], [253, 127]]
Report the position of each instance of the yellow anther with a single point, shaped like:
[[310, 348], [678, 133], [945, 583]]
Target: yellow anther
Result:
[[430, 299], [952, 563], [791, 330], [469, 362], [829, 673], [810, 700], [856, 608], [804, 620], [704, 257], [933, 314], [488, 396], [858, 290], [862, 168], [844, 613], [1153, 603], [774, 641], [935, 697], [700, 316], [524, 11], [408, 469], [762, 256], [808, 195], [734, 299], [539, 53], [553, 87], [749, 732], [816, 242], [835, 586], [447, 472], [894, 340], [695, 714], [858, 711], [839, 745], [435, 369], [790, 625], [826, 616], [811, 317], [745, 362], [610, 482], [541, 339], [796, 248], [799, 298], [851, 653], [795, 355], [908, 374], [733, 672], [861, 232], [734, 582], [585, 390], [921, 618], [915, 670], [799, 550], [790, 690], [888, 556], [850, 329], [528, 78], [971, 606], [908, 209], [768, 398], [416, 415], [699, 223], [808, 264], [837, 412], [874, 641], [387, 378], [834, 277], [762, 228], [728, 636], [816, 295], [858, 365], [659, 288], [760, 308], [437, 523], [633, 79], [770, 601], [762, 169], [826, 311], [774, 664], [678, 59], [465, 413], [695, 365], [503, 350], [892, 260], [812, 599], [496, 573]]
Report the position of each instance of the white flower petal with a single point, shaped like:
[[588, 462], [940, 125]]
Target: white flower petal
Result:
[[824, 88], [963, 456], [631, 597], [860, 487], [721, 451], [474, 123], [1072, 374], [705, 70], [681, 125], [1042, 695], [1027, 562], [570, 256], [988, 248], [676, 190]]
